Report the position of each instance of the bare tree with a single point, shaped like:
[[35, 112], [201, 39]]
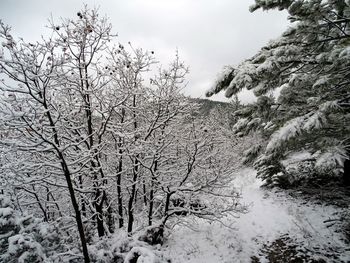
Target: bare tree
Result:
[[82, 120]]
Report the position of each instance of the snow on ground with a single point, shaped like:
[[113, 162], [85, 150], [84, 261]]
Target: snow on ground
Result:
[[271, 215]]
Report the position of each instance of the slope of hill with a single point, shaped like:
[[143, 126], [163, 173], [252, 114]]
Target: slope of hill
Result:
[[205, 105]]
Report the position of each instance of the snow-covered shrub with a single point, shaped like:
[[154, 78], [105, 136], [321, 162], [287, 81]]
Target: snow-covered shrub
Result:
[[103, 252], [306, 168], [24, 248], [301, 172], [8, 224], [120, 248], [24, 238], [153, 235]]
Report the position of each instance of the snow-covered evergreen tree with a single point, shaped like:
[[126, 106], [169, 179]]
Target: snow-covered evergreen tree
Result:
[[309, 66]]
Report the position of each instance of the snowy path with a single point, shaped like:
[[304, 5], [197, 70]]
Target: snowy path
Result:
[[271, 215]]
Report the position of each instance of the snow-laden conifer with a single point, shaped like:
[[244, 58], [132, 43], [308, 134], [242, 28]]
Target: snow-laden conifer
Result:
[[309, 68]]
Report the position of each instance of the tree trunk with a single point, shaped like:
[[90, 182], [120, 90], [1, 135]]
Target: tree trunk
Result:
[[119, 176], [99, 221], [132, 197], [68, 178], [135, 175], [150, 212], [76, 208], [95, 162], [166, 208], [151, 194], [82, 201], [119, 193], [48, 204], [110, 219], [144, 192], [103, 196]]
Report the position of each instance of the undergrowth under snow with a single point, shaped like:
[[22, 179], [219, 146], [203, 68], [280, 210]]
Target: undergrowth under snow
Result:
[[272, 214]]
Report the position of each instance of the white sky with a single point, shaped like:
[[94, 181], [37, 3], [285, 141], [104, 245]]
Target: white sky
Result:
[[207, 33]]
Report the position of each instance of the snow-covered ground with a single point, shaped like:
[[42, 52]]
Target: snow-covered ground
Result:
[[272, 214]]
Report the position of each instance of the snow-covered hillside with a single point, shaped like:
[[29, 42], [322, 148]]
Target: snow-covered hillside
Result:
[[272, 216]]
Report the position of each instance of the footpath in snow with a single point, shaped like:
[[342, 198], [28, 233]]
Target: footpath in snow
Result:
[[271, 215]]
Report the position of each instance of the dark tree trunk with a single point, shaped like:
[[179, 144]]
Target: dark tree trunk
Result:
[[49, 216], [167, 204], [119, 193], [102, 195], [132, 197], [95, 162], [150, 212], [99, 220], [76, 210], [135, 175], [110, 219], [167, 207], [97, 202], [144, 192], [119, 176], [82, 201], [151, 194], [69, 181]]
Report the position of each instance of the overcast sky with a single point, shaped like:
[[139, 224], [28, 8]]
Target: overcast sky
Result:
[[207, 33]]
